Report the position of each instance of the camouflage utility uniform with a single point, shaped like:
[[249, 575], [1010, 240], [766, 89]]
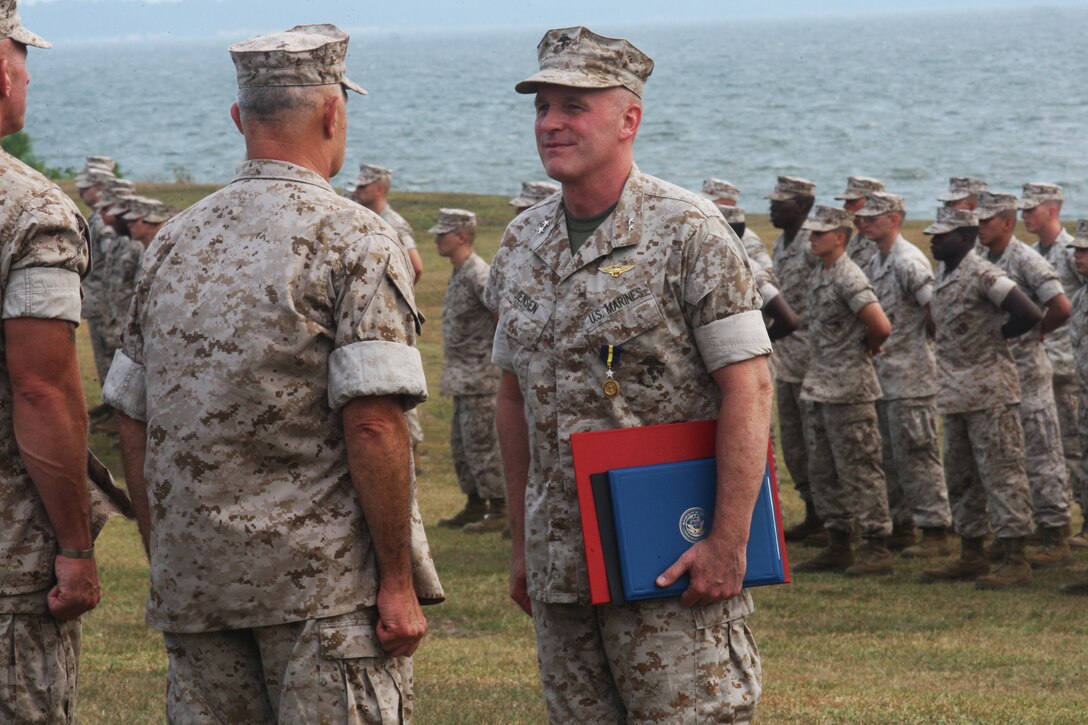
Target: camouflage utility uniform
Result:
[[1059, 350], [684, 305], [259, 313], [468, 331], [978, 393], [1078, 334], [43, 252], [1038, 411], [95, 293], [907, 370], [838, 391]]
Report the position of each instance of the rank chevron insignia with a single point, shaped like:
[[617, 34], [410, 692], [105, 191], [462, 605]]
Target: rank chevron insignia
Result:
[[616, 270]]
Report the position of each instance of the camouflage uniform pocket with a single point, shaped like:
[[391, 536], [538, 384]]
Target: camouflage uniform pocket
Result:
[[374, 683], [919, 428]]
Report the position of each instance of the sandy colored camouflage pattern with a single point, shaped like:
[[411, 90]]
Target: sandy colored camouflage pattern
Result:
[[321, 671], [858, 187], [122, 263], [534, 192], [686, 286], [259, 312], [844, 467], [791, 430], [791, 187], [11, 26], [792, 264], [984, 469], [975, 369], [1045, 464], [41, 669], [400, 226], [93, 282], [1038, 280], [474, 446], [907, 365], [961, 187], [757, 252], [579, 58], [715, 189], [1057, 345], [305, 55], [861, 251], [468, 332], [840, 369], [651, 662], [43, 252], [911, 458]]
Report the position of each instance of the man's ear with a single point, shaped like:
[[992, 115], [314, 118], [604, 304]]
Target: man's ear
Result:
[[332, 118], [632, 117], [5, 78], [236, 116]]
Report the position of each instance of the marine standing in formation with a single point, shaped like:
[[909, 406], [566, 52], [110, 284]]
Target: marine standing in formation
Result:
[[621, 261], [266, 367], [48, 578]]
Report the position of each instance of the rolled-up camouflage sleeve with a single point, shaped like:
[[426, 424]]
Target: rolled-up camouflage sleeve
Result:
[[376, 327], [125, 386], [48, 255], [721, 297]]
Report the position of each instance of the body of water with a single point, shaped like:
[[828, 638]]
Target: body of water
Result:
[[911, 100]]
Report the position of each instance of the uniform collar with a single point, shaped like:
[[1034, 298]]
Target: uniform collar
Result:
[[883, 264], [279, 170], [623, 228]]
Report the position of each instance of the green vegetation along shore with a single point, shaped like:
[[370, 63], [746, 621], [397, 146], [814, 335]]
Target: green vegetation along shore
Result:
[[834, 651]]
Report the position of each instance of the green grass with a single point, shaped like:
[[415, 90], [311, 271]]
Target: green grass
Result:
[[880, 651]]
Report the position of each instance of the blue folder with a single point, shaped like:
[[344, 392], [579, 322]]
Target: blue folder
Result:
[[659, 511]]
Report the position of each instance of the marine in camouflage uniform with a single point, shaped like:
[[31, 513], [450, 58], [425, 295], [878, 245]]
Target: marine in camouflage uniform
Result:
[[791, 201], [370, 188], [1038, 411], [1078, 335], [978, 393], [1040, 206], [48, 577], [468, 331], [663, 278], [532, 193], [270, 352], [860, 249], [907, 370], [726, 194], [845, 326]]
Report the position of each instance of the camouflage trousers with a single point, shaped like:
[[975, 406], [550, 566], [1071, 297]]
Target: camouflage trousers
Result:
[[41, 657], [98, 328], [844, 470], [791, 426], [984, 470], [1067, 398], [1045, 466], [415, 430], [320, 671], [912, 462], [646, 662], [1081, 493], [474, 446]]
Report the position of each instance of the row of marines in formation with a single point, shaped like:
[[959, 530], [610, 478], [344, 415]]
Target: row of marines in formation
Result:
[[872, 467]]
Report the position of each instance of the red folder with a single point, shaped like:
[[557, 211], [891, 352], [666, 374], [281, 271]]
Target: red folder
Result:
[[600, 451]]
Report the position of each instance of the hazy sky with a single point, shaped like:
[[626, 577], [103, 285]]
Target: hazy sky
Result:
[[136, 20]]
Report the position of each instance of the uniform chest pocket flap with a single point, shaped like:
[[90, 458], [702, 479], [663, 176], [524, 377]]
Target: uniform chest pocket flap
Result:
[[622, 316], [523, 318]]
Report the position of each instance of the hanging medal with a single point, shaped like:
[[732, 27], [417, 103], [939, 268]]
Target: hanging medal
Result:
[[610, 354]]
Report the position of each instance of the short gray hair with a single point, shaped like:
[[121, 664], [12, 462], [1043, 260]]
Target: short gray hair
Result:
[[265, 102]]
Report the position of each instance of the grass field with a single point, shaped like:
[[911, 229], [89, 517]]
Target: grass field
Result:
[[834, 651]]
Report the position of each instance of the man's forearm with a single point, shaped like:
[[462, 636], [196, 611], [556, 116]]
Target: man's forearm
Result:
[[133, 434], [378, 448]]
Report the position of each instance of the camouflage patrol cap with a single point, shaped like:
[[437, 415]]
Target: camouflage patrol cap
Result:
[[305, 55], [11, 27], [111, 198], [732, 214], [949, 220], [94, 177], [534, 192], [828, 219], [452, 220], [881, 202], [133, 207], [792, 187], [858, 187], [160, 213], [1036, 192], [123, 202], [991, 204], [961, 187], [1080, 239], [369, 173], [579, 58], [720, 189], [102, 161]]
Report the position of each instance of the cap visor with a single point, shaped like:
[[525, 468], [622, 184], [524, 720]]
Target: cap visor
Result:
[[559, 77], [814, 226], [439, 230], [939, 229], [353, 86], [950, 196], [24, 36], [1026, 204]]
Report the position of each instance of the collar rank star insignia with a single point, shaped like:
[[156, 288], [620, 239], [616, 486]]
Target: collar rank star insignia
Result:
[[543, 225], [616, 270]]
